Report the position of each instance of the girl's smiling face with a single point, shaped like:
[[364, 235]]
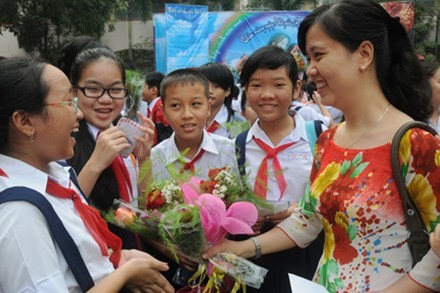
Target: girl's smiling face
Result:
[[269, 93], [100, 112]]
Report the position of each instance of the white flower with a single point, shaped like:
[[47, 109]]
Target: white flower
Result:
[[171, 192]]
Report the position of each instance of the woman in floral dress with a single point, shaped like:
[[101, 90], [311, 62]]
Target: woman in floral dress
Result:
[[363, 63]]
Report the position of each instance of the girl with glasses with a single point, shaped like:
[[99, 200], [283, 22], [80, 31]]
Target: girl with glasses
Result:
[[98, 79]]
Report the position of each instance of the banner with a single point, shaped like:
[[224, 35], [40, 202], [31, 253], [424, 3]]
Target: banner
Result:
[[230, 37], [187, 36]]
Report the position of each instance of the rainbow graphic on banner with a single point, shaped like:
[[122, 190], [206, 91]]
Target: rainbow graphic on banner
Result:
[[233, 36]]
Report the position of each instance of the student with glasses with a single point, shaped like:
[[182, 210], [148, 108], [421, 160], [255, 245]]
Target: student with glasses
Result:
[[98, 79]]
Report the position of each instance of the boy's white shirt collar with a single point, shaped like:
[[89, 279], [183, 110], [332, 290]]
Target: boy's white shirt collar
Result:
[[172, 153], [299, 132]]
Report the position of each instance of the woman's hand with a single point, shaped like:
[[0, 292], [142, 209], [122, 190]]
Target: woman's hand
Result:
[[244, 248], [145, 143], [275, 219]]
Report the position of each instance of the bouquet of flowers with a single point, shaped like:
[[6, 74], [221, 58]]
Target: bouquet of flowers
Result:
[[191, 216]]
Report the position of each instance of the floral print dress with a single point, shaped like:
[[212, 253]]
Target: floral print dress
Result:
[[354, 198]]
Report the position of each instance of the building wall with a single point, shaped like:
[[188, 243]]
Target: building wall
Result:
[[9, 45], [116, 40]]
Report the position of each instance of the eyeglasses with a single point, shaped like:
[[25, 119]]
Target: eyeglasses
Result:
[[116, 93], [71, 103]]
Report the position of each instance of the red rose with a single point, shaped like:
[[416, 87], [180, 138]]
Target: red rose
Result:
[[207, 186], [214, 172], [155, 200]]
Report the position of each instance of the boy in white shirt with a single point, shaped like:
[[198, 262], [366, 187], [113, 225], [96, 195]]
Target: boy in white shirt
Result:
[[191, 150], [185, 95]]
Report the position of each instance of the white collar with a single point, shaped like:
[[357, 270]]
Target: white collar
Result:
[[22, 174], [172, 153]]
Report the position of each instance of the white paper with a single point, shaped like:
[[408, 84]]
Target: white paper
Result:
[[301, 285]]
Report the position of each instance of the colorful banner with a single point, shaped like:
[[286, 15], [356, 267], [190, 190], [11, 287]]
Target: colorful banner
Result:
[[233, 36], [187, 36], [230, 37]]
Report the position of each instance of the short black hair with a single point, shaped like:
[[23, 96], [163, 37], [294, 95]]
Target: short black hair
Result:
[[183, 76], [269, 57], [154, 79]]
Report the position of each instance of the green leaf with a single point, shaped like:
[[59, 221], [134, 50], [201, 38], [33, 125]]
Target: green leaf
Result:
[[351, 232], [333, 267], [358, 170], [331, 288], [345, 167], [357, 159], [339, 283]]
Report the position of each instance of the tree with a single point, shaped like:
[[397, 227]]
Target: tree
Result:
[[41, 26]]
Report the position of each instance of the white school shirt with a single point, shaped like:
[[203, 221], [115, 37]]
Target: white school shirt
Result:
[[31, 261], [309, 113], [219, 153], [132, 167], [296, 161], [222, 118]]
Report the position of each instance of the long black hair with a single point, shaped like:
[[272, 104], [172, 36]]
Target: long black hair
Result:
[[220, 74], [72, 48], [398, 69]]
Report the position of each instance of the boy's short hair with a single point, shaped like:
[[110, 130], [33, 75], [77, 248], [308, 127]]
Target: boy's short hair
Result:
[[154, 79], [269, 57], [184, 77]]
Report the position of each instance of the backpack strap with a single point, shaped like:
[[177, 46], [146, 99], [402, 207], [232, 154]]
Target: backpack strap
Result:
[[313, 131], [418, 240], [240, 151], [59, 232]]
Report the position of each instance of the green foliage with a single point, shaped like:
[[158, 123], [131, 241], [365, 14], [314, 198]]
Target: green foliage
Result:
[[424, 24]]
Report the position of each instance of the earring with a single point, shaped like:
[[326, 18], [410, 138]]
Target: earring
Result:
[[362, 68], [31, 138]]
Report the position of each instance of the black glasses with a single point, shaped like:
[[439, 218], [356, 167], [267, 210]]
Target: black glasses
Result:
[[116, 93]]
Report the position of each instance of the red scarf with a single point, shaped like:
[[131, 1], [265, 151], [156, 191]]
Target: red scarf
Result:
[[260, 188], [122, 179], [190, 164], [96, 225]]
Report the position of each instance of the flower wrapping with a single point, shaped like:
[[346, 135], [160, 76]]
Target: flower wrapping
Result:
[[190, 217]]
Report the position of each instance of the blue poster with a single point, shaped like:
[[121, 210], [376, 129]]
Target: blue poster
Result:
[[187, 43], [233, 36]]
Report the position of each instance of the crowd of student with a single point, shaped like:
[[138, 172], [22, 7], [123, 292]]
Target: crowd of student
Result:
[[343, 225]]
